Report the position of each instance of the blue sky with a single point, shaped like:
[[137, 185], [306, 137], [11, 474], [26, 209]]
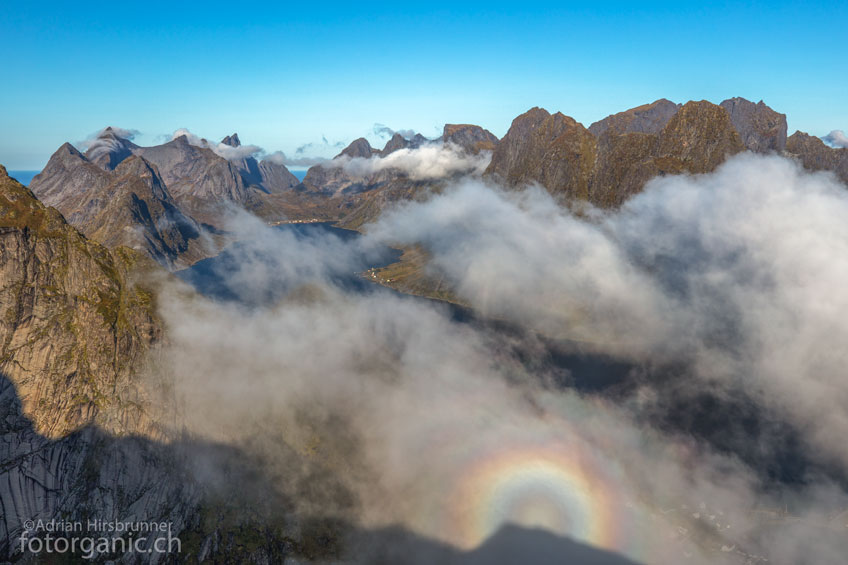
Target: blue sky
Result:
[[286, 75]]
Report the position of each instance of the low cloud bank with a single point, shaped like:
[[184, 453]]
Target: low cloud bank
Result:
[[738, 273], [430, 161], [453, 429], [281, 158]]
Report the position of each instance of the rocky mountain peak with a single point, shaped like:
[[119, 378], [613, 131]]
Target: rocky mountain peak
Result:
[[65, 151], [232, 140], [632, 147], [761, 129], [816, 156], [396, 142], [470, 137], [647, 118], [699, 138], [535, 112], [358, 148], [109, 149], [554, 150], [108, 131]]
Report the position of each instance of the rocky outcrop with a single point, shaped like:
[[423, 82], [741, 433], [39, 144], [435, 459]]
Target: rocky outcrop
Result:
[[648, 118], [567, 159], [471, 138], [553, 150], [696, 140], [75, 324], [67, 178], [196, 174], [128, 206], [269, 176], [332, 179], [816, 156], [205, 185], [136, 210], [358, 148], [275, 178], [398, 141], [232, 140], [761, 129]]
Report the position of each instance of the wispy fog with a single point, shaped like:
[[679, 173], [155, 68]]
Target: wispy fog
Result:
[[430, 161]]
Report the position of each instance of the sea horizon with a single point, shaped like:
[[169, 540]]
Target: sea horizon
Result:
[[23, 177]]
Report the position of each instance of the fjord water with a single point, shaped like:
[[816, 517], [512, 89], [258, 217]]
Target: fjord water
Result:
[[260, 273]]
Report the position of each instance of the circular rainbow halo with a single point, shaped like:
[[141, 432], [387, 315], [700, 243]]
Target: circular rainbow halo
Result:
[[546, 488]]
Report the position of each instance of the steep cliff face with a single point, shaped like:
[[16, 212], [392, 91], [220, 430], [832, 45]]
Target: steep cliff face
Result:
[[566, 158], [624, 164], [816, 156], [553, 150], [75, 326], [76, 432], [84, 475], [761, 129]]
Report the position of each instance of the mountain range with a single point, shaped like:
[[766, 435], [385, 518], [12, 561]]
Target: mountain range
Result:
[[170, 201], [78, 275]]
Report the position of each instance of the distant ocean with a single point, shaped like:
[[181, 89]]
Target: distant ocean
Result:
[[299, 174], [23, 177]]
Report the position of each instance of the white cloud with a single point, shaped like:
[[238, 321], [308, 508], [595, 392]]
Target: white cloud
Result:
[[836, 138], [222, 149], [381, 130], [281, 158], [737, 277], [739, 272], [99, 145], [430, 161]]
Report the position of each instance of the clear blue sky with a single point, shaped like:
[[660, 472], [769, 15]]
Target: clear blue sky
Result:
[[284, 75]]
